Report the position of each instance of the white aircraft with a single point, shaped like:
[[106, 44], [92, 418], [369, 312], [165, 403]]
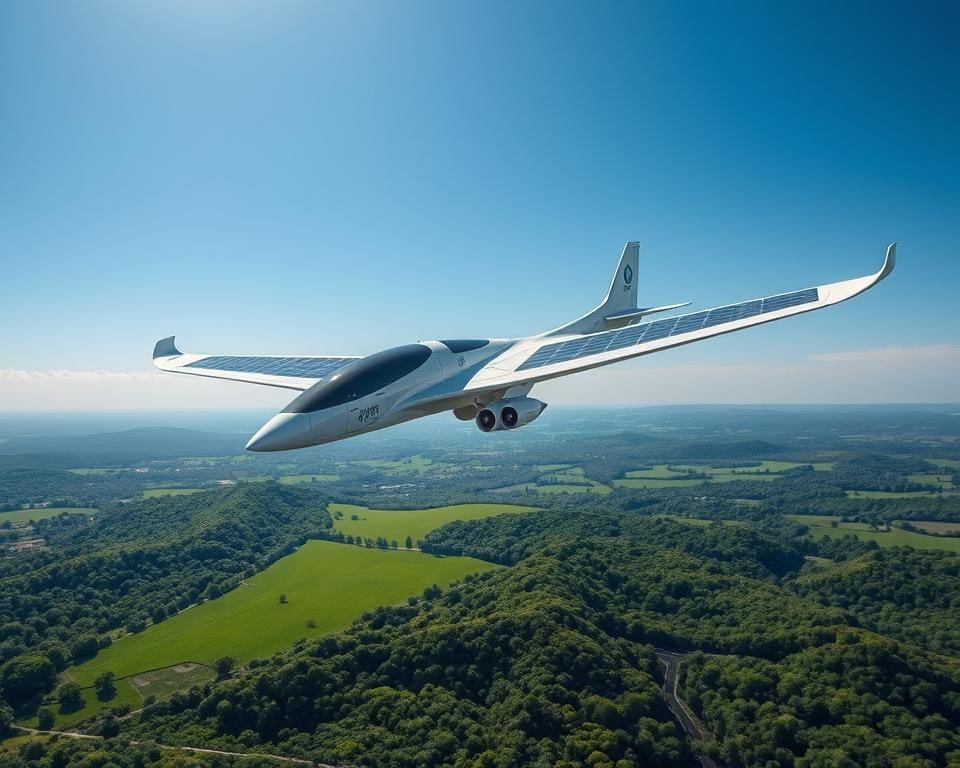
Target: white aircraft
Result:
[[488, 380]]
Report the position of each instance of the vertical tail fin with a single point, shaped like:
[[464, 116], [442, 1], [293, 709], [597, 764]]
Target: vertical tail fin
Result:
[[621, 298]]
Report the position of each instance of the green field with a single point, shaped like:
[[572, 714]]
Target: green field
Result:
[[641, 482], [419, 464], [701, 522], [126, 694], [416, 523], [889, 494], [895, 537], [950, 464], [295, 479], [152, 493], [934, 526], [729, 477], [163, 682], [327, 583], [677, 476], [579, 485], [564, 479], [26, 515], [942, 480], [212, 460], [559, 478], [131, 691], [659, 472]]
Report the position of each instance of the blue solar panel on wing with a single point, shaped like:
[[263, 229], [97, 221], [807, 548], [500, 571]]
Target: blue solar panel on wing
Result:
[[722, 315], [659, 330], [542, 355], [785, 300], [688, 323], [607, 341], [597, 344], [303, 367], [750, 309], [627, 336]]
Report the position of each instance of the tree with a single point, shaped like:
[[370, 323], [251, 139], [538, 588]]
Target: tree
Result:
[[70, 696], [283, 598], [105, 686], [408, 543], [44, 719], [26, 676], [109, 727], [57, 655], [6, 718], [224, 666], [84, 647]]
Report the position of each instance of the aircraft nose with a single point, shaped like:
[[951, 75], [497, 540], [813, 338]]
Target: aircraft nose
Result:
[[283, 432]]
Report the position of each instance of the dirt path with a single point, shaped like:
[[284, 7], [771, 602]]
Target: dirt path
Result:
[[175, 748], [688, 721]]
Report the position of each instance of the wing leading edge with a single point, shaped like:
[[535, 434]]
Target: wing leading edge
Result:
[[297, 373], [539, 358]]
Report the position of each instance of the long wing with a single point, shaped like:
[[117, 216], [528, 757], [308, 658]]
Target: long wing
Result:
[[298, 373], [538, 358]]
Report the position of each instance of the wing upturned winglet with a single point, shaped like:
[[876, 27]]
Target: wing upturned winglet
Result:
[[166, 348], [888, 263]]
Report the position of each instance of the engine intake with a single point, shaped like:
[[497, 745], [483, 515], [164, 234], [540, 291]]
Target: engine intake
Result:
[[509, 413]]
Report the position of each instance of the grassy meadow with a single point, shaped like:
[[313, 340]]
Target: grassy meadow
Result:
[[678, 476], [325, 583], [153, 493], [415, 523], [894, 537], [296, 479], [26, 515]]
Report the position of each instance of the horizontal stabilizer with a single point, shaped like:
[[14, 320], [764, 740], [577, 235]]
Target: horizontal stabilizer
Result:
[[637, 314]]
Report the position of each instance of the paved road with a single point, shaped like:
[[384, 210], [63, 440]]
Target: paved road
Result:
[[688, 721]]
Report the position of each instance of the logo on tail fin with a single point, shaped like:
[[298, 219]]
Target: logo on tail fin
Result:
[[627, 276]]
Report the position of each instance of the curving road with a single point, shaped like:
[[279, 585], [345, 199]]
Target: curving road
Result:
[[688, 721]]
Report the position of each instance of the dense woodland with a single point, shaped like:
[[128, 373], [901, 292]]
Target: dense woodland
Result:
[[549, 660], [904, 593]]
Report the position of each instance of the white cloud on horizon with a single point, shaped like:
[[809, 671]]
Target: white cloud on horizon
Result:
[[14, 374], [934, 353]]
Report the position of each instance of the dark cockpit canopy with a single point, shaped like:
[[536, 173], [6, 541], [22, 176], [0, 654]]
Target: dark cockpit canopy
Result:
[[464, 345], [361, 378]]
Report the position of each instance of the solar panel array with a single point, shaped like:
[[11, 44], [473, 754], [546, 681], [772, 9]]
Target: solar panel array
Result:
[[303, 367], [632, 335]]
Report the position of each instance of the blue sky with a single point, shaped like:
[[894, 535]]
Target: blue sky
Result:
[[300, 177]]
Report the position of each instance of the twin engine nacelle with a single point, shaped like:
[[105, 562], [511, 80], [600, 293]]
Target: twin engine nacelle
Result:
[[509, 413]]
